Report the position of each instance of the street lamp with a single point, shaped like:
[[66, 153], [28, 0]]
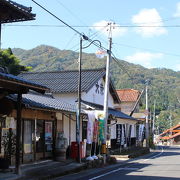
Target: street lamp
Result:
[[79, 93]]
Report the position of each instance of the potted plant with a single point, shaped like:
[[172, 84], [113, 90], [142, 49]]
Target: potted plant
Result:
[[9, 146]]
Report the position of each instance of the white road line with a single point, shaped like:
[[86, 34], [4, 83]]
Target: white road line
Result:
[[119, 169], [162, 150]]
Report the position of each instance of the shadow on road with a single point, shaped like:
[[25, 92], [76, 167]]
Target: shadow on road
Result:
[[133, 177], [139, 169]]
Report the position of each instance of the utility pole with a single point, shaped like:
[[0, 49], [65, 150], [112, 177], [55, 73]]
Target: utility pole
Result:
[[170, 119], [78, 115], [147, 116], [78, 119], [154, 118], [0, 34], [106, 98]]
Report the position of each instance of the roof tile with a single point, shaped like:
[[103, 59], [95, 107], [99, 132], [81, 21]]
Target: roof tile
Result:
[[65, 81], [128, 95], [44, 102]]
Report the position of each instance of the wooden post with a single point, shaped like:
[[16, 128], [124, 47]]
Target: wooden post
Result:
[[34, 139], [54, 131], [22, 160], [0, 33], [18, 134], [44, 143], [69, 129]]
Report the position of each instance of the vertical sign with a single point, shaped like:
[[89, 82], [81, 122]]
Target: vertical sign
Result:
[[118, 133], [124, 129]]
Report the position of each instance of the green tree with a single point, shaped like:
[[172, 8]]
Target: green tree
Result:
[[11, 62]]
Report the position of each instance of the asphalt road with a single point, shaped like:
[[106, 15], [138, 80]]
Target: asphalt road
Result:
[[164, 164]]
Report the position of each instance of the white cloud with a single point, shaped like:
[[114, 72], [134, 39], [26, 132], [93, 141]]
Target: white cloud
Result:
[[177, 13], [149, 17], [143, 58], [177, 67], [104, 29]]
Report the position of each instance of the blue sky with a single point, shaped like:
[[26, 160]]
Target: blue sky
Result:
[[156, 46]]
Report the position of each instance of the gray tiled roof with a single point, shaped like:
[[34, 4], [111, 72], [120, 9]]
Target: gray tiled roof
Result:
[[44, 102], [65, 81], [17, 79], [15, 12]]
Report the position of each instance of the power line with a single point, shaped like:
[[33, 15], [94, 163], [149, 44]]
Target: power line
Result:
[[134, 47], [122, 67], [74, 15], [91, 36], [163, 20], [88, 26], [67, 44], [58, 18], [72, 28]]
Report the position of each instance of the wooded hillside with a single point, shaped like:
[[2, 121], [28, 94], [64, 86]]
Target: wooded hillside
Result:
[[164, 83]]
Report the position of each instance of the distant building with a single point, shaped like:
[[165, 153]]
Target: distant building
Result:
[[128, 98], [171, 136]]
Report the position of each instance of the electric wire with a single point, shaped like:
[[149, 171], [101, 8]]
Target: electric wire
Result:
[[134, 47], [83, 26], [122, 67], [58, 18], [81, 34], [67, 44], [162, 20], [73, 14], [94, 35]]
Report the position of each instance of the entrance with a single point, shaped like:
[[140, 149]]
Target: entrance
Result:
[[37, 140], [44, 139]]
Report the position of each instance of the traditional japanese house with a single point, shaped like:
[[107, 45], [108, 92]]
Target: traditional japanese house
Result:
[[10, 84], [64, 86], [11, 12]]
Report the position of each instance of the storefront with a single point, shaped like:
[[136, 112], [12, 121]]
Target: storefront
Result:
[[37, 139], [38, 134]]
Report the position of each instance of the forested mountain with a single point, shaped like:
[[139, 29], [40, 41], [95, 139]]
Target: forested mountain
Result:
[[164, 85]]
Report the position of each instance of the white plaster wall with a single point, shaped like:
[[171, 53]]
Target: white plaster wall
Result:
[[59, 122], [73, 128], [133, 132], [130, 122], [90, 96], [126, 121], [113, 129], [64, 121], [97, 98], [66, 128]]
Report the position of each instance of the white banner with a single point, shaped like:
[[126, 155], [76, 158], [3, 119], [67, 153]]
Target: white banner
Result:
[[90, 126], [141, 129]]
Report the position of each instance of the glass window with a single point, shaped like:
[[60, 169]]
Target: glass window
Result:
[[27, 137], [39, 136], [48, 136]]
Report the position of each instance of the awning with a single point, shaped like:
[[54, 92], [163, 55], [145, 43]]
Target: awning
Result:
[[111, 111], [44, 102], [14, 84]]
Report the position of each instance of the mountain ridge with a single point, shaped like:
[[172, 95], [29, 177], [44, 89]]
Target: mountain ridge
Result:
[[164, 83], [163, 89]]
